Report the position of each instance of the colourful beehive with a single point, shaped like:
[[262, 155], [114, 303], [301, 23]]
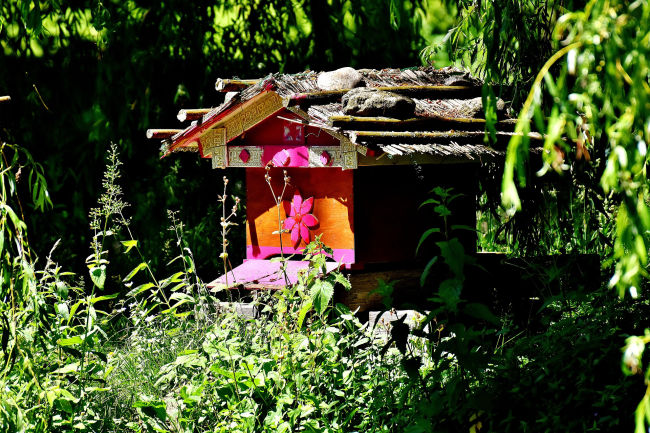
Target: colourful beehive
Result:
[[361, 149]]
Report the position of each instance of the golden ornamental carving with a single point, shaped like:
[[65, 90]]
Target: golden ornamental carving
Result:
[[334, 152], [250, 114], [212, 139], [349, 151], [213, 143], [254, 156]]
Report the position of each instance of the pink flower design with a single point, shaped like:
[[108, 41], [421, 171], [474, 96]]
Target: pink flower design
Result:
[[300, 220]]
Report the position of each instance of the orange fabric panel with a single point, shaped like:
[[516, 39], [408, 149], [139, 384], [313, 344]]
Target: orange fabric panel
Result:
[[333, 205]]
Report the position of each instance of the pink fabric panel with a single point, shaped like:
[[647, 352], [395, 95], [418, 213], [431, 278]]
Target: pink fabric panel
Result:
[[298, 155]]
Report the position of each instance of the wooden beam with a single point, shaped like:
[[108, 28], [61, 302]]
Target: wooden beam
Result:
[[233, 85], [416, 124], [432, 92], [471, 137], [5, 98], [364, 284], [162, 133], [192, 113]]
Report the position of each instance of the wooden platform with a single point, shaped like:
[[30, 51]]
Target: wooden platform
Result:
[[263, 274]]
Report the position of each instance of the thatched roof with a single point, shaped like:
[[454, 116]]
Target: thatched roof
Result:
[[446, 118]]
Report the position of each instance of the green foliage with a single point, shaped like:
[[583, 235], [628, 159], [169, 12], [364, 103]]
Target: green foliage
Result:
[[595, 102], [51, 330], [503, 41], [602, 110]]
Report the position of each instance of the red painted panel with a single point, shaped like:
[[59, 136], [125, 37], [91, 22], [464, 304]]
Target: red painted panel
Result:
[[276, 131], [293, 133]]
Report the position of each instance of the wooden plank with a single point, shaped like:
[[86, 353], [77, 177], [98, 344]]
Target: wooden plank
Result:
[[365, 282], [263, 274], [236, 119]]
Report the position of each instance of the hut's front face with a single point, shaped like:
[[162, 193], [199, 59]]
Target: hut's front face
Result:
[[315, 202]]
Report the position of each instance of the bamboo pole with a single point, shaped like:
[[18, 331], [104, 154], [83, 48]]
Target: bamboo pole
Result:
[[162, 133], [192, 113], [432, 92], [414, 124], [233, 85], [467, 137]]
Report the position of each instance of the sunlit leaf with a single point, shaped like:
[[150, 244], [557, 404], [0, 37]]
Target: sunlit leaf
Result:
[[98, 275], [135, 270]]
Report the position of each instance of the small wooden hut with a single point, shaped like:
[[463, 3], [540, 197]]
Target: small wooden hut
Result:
[[362, 149]]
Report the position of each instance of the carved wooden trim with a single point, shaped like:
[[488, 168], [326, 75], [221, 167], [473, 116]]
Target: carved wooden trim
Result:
[[255, 155], [213, 143], [335, 154], [251, 114], [349, 151]]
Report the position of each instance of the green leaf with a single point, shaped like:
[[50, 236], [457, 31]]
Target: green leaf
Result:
[[141, 288], [130, 244], [306, 307], [321, 294], [69, 368], [442, 210], [104, 298], [181, 296], [463, 227], [137, 269], [98, 276], [341, 279], [74, 308], [427, 270], [69, 341], [449, 293], [429, 201], [481, 311], [385, 290], [152, 407], [425, 235], [453, 254], [62, 309], [394, 14]]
